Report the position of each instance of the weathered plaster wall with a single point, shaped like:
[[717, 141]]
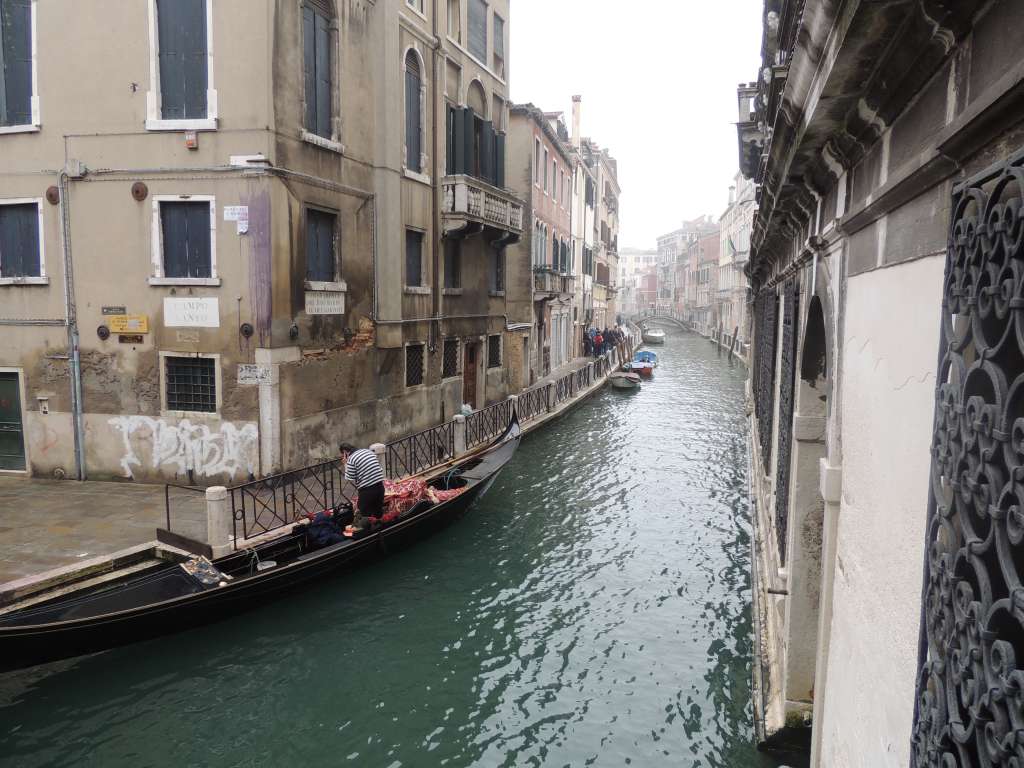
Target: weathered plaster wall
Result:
[[890, 347]]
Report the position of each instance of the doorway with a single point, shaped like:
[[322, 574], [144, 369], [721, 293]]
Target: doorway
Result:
[[12, 437], [469, 374]]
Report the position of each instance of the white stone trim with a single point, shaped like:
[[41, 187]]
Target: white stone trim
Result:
[[153, 120], [157, 245], [424, 157], [411, 5], [218, 385], [319, 285], [423, 178], [42, 279], [320, 141]]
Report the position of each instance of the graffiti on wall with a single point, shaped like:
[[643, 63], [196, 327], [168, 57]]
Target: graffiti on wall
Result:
[[180, 446]]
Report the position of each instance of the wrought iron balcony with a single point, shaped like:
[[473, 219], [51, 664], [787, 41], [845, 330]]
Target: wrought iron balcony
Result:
[[472, 201], [547, 282]]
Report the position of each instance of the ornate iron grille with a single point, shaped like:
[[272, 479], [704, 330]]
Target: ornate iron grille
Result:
[[487, 423], [533, 402], [970, 695], [264, 505], [494, 351], [791, 311], [417, 453], [563, 388], [582, 378], [450, 359], [766, 313]]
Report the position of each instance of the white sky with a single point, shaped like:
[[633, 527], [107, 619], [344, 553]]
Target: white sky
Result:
[[658, 80]]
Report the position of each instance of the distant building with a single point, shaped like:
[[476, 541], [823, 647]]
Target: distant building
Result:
[[734, 253]]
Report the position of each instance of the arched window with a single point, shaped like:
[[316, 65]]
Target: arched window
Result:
[[413, 113], [554, 251]]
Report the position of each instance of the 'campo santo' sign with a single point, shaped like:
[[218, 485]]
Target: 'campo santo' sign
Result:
[[191, 313]]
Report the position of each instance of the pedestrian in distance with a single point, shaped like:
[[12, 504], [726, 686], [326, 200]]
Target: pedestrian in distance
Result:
[[598, 343], [588, 345], [362, 469]]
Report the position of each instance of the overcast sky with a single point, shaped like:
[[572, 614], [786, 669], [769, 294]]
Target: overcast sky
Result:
[[658, 80]]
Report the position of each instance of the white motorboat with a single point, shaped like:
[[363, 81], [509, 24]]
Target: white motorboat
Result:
[[654, 336], [622, 380]]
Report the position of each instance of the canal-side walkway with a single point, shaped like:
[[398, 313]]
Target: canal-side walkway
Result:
[[56, 524]]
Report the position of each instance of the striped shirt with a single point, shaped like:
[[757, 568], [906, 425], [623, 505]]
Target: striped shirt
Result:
[[363, 469]]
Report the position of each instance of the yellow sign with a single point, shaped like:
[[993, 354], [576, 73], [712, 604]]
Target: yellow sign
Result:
[[128, 323]]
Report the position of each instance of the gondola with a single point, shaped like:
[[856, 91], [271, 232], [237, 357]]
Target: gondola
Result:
[[178, 596]]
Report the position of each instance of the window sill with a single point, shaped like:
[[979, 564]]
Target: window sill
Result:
[[420, 177], [24, 281], [204, 124], [320, 141], [452, 292], [210, 281], [4, 129], [319, 285], [417, 11], [419, 290], [496, 294], [172, 414]]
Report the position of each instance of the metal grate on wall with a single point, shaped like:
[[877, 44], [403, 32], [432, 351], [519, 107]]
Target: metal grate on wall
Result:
[[413, 365], [191, 384], [450, 359], [766, 309], [969, 708], [787, 386], [494, 351]]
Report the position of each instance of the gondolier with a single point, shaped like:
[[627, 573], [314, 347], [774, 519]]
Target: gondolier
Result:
[[362, 469]]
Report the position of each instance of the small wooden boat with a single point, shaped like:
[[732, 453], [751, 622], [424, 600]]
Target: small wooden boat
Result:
[[625, 381], [175, 596], [643, 363], [654, 336]]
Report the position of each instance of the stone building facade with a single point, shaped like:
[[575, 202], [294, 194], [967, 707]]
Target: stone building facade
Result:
[[293, 235], [885, 140], [735, 226]]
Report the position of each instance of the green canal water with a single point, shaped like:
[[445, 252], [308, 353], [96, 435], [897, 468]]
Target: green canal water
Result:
[[592, 610]]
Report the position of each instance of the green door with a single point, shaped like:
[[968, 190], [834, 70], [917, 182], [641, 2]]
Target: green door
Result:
[[12, 440]]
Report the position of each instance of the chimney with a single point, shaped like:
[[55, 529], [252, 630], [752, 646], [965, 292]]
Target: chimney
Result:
[[576, 102], [732, 195]]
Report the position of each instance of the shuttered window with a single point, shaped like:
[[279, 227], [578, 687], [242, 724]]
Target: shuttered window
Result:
[[473, 146], [321, 246], [413, 257], [15, 62], [478, 29], [19, 240], [452, 263], [185, 228], [499, 37], [413, 115], [181, 30], [497, 272], [316, 66]]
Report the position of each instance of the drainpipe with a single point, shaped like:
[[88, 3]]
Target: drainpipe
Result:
[[71, 319]]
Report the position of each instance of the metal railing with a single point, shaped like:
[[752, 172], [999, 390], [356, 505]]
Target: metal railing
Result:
[[533, 402], [417, 453], [488, 423], [564, 388], [273, 502]]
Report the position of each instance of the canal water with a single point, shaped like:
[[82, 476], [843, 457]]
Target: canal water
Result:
[[592, 610]]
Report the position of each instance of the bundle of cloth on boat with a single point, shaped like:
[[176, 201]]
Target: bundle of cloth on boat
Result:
[[402, 495], [325, 528]]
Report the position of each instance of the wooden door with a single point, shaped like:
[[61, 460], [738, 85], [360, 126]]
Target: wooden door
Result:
[[12, 439], [469, 374]]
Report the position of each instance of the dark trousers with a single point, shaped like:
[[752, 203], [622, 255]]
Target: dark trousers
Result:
[[371, 504]]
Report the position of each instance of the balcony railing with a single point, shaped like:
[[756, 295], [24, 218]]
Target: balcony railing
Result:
[[546, 280], [476, 200]]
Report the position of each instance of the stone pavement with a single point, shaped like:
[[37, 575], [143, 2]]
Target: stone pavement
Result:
[[47, 524]]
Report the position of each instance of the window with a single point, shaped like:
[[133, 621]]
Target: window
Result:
[[316, 67], [416, 5], [16, 64], [181, 66], [499, 46], [413, 258], [536, 164], [21, 253], [186, 245], [450, 359], [494, 351], [497, 276], [413, 114], [413, 365], [191, 384], [452, 263], [478, 30], [545, 170], [321, 246], [454, 21], [554, 180]]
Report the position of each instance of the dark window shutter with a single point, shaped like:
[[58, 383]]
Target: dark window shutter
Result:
[[468, 135], [182, 40], [413, 124], [452, 263], [499, 36], [499, 160], [19, 240], [458, 140], [487, 151], [323, 76], [321, 252], [478, 29], [413, 257], [15, 62], [186, 239], [309, 66]]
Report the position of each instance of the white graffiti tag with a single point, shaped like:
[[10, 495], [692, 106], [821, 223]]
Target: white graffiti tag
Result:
[[182, 446]]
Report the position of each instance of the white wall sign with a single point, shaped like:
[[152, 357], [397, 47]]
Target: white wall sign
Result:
[[250, 375], [240, 214], [325, 303], [191, 313]]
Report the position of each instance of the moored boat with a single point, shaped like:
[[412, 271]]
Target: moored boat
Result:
[[64, 621], [625, 381], [654, 336]]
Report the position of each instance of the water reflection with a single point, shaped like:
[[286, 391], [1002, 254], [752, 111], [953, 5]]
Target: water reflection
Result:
[[593, 609]]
